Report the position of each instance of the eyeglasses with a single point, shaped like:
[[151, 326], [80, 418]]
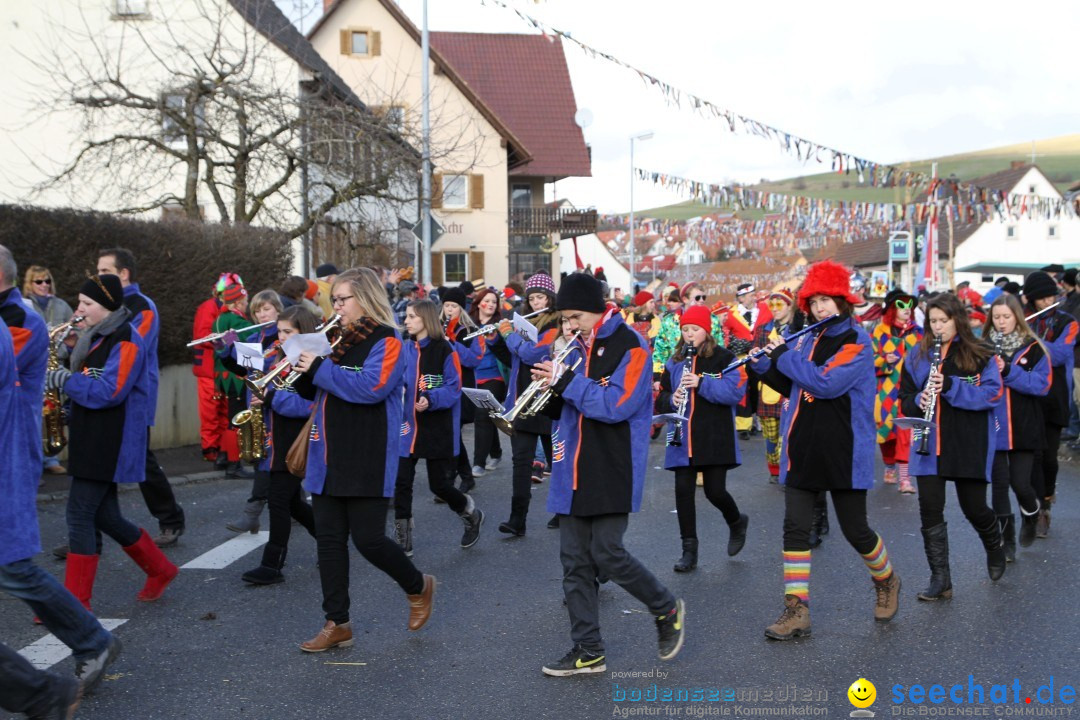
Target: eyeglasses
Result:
[[336, 300], [904, 304], [43, 281]]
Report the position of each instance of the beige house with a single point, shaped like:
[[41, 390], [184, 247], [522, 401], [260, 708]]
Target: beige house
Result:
[[502, 127]]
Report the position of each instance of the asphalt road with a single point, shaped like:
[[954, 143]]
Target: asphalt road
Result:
[[214, 647]]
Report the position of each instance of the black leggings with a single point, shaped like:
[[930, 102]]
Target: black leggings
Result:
[[523, 445], [1045, 472], [971, 493], [286, 500], [1013, 468], [440, 480], [486, 438], [336, 518], [850, 507], [715, 479]]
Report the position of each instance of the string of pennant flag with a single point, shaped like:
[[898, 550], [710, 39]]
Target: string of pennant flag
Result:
[[963, 204], [869, 172]]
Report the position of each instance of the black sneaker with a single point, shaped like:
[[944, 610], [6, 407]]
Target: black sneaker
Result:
[[90, 671], [473, 519], [578, 661], [670, 628], [744, 435], [64, 696]]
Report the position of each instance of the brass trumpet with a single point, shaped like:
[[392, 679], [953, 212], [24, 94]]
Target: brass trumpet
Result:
[[258, 387], [536, 396]]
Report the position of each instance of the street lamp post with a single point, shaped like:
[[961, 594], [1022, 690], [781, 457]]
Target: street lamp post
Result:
[[642, 136]]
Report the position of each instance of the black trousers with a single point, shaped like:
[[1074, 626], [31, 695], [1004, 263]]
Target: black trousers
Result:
[[92, 509], [260, 487], [24, 688], [971, 493], [463, 468], [715, 480], [486, 439], [440, 480], [1012, 468], [523, 446], [364, 519], [850, 507], [286, 501], [1045, 472], [158, 494]]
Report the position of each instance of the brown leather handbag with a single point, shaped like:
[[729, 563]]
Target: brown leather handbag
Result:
[[296, 458]]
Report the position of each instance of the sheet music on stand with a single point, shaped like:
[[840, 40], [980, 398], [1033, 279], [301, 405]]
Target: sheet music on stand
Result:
[[250, 355], [483, 399], [526, 328]]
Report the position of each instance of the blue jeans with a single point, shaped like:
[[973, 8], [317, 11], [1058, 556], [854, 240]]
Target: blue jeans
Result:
[[58, 609], [93, 507]]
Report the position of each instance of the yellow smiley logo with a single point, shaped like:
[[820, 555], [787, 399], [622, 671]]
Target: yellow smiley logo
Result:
[[862, 693]]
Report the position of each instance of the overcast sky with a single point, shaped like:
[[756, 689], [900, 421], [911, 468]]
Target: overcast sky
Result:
[[885, 81]]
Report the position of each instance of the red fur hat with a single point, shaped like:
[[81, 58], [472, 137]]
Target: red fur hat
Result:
[[826, 278]]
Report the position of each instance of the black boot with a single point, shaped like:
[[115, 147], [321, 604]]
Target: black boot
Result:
[[519, 509], [1027, 526], [936, 544], [1008, 536], [688, 561], [995, 550], [738, 535], [269, 572]]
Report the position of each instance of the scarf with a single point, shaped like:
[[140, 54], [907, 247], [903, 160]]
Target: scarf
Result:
[[353, 335], [1009, 343], [106, 327]]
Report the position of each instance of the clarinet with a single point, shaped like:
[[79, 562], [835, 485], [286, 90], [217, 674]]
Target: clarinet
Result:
[[928, 415], [688, 364]]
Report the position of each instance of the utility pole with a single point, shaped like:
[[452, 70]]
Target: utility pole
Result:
[[642, 136], [425, 189]]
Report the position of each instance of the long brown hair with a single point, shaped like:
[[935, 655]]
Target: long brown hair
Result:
[[706, 349], [1013, 303], [428, 312], [970, 353]]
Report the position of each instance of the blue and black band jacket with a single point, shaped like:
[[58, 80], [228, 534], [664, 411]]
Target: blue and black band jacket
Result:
[[471, 354], [147, 323], [1018, 418], [19, 537], [357, 418], [964, 442], [827, 420], [30, 344], [432, 370], [708, 436], [524, 353], [599, 447], [1058, 331]]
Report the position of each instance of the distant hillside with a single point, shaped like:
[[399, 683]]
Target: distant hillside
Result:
[[1058, 157]]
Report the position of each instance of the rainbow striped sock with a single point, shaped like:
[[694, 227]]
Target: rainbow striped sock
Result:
[[797, 574], [878, 561]]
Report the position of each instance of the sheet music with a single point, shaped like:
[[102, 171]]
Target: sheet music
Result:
[[525, 327], [250, 355], [315, 343], [483, 399]]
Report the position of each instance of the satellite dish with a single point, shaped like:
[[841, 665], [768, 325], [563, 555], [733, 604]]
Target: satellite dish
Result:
[[583, 118]]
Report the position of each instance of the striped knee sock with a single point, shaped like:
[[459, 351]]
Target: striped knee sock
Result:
[[903, 468], [878, 561], [797, 574]]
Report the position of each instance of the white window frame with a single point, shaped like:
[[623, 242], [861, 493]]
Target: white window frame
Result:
[[446, 275], [367, 42], [447, 179], [131, 8], [170, 132]]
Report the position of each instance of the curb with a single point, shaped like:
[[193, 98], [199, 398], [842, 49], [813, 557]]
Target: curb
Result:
[[192, 479]]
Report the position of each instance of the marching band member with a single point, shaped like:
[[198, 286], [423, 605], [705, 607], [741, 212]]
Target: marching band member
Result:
[[1025, 370], [352, 456], [487, 451], [786, 319], [828, 443], [967, 386], [893, 337], [1058, 330], [599, 473], [284, 418], [742, 324], [233, 317], [430, 428], [693, 385], [471, 353], [107, 385], [539, 295]]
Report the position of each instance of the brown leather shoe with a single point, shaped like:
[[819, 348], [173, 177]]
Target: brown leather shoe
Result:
[[331, 636], [420, 605], [793, 622]]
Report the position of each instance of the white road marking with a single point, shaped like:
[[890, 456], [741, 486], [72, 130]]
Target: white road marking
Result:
[[228, 552], [48, 651]]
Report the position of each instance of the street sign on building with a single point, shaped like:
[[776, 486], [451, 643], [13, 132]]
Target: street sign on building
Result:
[[437, 230]]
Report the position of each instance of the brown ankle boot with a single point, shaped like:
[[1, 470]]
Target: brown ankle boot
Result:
[[332, 635], [793, 622], [420, 604], [888, 598]]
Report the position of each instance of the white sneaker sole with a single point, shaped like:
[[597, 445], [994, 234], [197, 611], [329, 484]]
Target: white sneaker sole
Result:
[[590, 670]]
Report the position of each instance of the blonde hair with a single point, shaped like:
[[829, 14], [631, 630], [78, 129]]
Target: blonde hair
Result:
[[36, 272], [428, 312], [1013, 303], [370, 294], [265, 297], [464, 319]]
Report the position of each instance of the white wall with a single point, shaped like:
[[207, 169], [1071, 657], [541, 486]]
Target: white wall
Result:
[[593, 252]]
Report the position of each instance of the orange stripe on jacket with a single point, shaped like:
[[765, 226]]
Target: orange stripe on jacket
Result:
[[548, 337], [633, 374], [846, 354], [390, 358], [19, 337], [146, 321], [1070, 333], [128, 353]]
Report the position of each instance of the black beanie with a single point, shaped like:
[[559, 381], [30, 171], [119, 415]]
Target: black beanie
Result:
[[467, 288], [105, 290], [1012, 287], [1070, 276], [454, 295], [580, 291], [1039, 285]]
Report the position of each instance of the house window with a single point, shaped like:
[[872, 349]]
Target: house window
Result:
[[1052, 231], [1011, 232], [363, 42], [455, 191], [393, 116], [520, 196], [130, 8], [174, 117], [1031, 189], [455, 266], [359, 43]]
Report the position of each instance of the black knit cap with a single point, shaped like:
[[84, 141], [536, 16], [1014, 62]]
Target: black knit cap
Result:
[[326, 269], [454, 295], [580, 291], [1070, 276], [1039, 285], [467, 288], [1012, 287], [105, 290]]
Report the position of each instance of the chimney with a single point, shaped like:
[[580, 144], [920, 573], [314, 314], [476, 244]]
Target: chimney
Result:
[[1014, 165], [326, 5]]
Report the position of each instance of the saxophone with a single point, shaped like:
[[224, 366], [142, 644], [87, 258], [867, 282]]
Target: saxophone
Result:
[[53, 439], [252, 434]]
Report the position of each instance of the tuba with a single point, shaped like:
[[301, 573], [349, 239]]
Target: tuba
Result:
[[53, 439]]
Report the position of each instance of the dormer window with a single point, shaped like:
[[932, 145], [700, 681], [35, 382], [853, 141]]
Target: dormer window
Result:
[[125, 9], [360, 42]]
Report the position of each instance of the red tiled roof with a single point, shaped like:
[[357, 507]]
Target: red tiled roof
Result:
[[525, 80]]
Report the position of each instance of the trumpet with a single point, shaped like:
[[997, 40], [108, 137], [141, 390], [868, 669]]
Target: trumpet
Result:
[[53, 439], [536, 396], [218, 336], [258, 387], [324, 328], [492, 327]]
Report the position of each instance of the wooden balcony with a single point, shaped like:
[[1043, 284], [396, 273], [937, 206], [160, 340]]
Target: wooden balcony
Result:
[[542, 221]]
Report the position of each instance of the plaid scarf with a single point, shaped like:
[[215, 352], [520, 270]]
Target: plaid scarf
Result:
[[353, 335]]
